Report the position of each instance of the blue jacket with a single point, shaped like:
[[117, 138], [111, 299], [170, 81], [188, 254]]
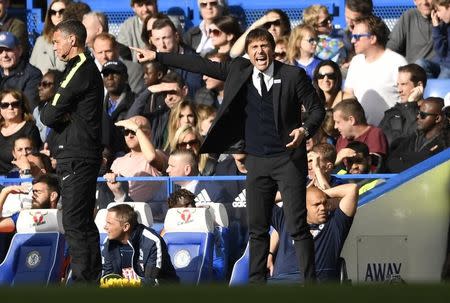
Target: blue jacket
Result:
[[151, 262], [441, 35]]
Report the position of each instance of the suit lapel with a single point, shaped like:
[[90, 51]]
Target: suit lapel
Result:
[[276, 90], [236, 85]]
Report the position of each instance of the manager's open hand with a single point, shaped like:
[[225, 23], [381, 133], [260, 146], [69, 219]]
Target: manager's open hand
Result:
[[299, 135], [144, 54]]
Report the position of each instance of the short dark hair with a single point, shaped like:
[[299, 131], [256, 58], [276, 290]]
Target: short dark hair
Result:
[[57, 76], [51, 181], [181, 198], [163, 22], [351, 107], [223, 57], [73, 27], [173, 78], [76, 11], [149, 2], [377, 27], [327, 151], [259, 34], [364, 7], [125, 214], [359, 147], [416, 71], [189, 154]]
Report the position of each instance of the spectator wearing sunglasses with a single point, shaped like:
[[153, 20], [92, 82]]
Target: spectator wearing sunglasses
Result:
[[224, 31], [15, 71], [327, 78], [143, 159], [331, 44], [46, 90], [15, 121], [372, 74], [43, 57], [431, 137], [275, 21], [14, 25], [302, 48], [198, 37]]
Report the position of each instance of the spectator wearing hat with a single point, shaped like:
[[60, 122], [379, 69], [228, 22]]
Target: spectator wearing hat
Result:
[[16, 72], [10, 24], [119, 96]]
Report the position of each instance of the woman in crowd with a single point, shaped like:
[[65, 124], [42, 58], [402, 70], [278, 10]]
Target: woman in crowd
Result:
[[281, 49], [302, 48], [275, 21], [184, 113], [15, 121], [330, 44], [327, 78], [206, 115], [198, 37], [223, 32], [43, 56]]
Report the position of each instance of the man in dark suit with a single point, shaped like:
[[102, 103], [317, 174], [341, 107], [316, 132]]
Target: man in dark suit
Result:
[[262, 108]]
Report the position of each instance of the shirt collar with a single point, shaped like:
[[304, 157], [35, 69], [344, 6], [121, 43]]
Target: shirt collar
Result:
[[268, 73]]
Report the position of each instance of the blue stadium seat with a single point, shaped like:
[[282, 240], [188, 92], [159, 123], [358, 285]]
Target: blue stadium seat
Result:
[[239, 275], [437, 88], [190, 242], [221, 253], [36, 253]]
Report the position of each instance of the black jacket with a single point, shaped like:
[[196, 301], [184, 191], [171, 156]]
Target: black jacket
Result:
[[151, 260], [75, 114], [399, 121], [291, 89], [121, 111]]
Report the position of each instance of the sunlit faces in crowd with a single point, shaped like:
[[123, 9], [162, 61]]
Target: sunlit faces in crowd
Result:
[[142, 8], [104, 48], [362, 39], [210, 9]]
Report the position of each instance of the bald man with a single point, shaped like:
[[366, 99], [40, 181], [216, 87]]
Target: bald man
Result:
[[328, 228]]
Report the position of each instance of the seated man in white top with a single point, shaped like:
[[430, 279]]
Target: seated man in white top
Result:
[[372, 75]]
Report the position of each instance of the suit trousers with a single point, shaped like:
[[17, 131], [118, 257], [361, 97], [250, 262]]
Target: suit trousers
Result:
[[265, 176], [78, 180]]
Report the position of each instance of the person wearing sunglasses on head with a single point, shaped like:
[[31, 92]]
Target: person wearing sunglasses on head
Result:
[[15, 121], [275, 21], [14, 25], [198, 37], [15, 71], [43, 57], [302, 48], [327, 78], [372, 74], [431, 137]]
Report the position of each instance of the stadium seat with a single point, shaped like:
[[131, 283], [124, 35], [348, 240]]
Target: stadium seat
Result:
[[437, 88], [221, 239], [239, 275], [36, 253], [190, 242]]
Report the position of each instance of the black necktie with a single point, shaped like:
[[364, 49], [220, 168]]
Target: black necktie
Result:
[[263, 84]]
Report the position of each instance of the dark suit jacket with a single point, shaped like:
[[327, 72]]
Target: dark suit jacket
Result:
[[291, 89]]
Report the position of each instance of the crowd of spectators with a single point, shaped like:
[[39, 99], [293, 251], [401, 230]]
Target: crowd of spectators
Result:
[[371, 82]]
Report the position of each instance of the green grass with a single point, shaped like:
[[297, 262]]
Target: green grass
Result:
[[276, 294]]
